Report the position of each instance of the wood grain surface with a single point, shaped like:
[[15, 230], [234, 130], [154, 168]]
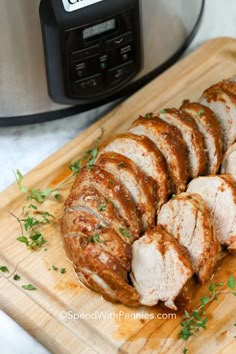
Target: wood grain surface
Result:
[[42, 312]]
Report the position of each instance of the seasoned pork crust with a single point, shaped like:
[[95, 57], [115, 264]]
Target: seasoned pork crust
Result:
[[143, 152], [114, 191], [173, 149], [192, 136], [209, 126], [141, 187]]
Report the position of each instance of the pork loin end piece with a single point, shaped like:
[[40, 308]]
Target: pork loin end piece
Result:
[[189, 220], [221, 98], [160, 267], [219, 193], [229, 161]]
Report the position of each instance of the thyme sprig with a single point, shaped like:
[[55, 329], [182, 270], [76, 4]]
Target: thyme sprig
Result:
[[198, 319], [88, 159], [32, 218]]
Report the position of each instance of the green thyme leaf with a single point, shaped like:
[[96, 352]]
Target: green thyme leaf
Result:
[[231, 282], [16, 277], [23, 239], [29, 287], [148, 115], [212, 287], [205, 300], [63, 270], [201, 112], [124, 232], [54, 267], [102, 207], [4, 269], [163, 110], [76, 166]]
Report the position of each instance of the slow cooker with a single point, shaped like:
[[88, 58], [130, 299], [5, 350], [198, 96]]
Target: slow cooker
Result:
[[60, 57]]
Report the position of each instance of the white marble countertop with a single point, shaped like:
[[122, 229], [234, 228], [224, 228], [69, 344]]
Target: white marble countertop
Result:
[[26, 146]]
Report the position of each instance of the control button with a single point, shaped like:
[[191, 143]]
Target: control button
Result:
[[84, 53], [103, 65], [120, 73], [91, 83], [119, 41], [80, 70]]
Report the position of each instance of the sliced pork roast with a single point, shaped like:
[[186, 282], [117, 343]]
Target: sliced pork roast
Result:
[[221, 98], [143, 152], [219, 193], [209, 126], [160, 267], [229, 161], [97, 264], [192, 136], [89, 200], [141, 187], [189, 220], [99, 248], [107, 185], [174, 150]]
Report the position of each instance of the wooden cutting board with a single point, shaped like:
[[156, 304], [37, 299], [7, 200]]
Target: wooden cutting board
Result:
[[108, 328]]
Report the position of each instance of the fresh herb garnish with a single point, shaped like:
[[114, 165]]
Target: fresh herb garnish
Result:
[[88, 159], [16, 277], [198, 318], [102, 207], [95, 239], [121, 164], [54, 267], [201, 112], [185, 350], [33, 218], [163, 110], [148, 115], [124, 232], [173, 196], [29, 287], [4, 269], [63, 270]]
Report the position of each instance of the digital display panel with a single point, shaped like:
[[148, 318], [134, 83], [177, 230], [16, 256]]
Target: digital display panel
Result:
[[99, 28]]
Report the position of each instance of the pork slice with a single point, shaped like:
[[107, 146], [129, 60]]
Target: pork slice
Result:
[[173, 149], [219, 193], [81, 231], [229, 161], [88, 199], [100, 278], [97, 271], [160, 267], [189, 220], [107, 185], [221, 99], [143, 152], [141, 187], [209, 126], [192, 136]]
